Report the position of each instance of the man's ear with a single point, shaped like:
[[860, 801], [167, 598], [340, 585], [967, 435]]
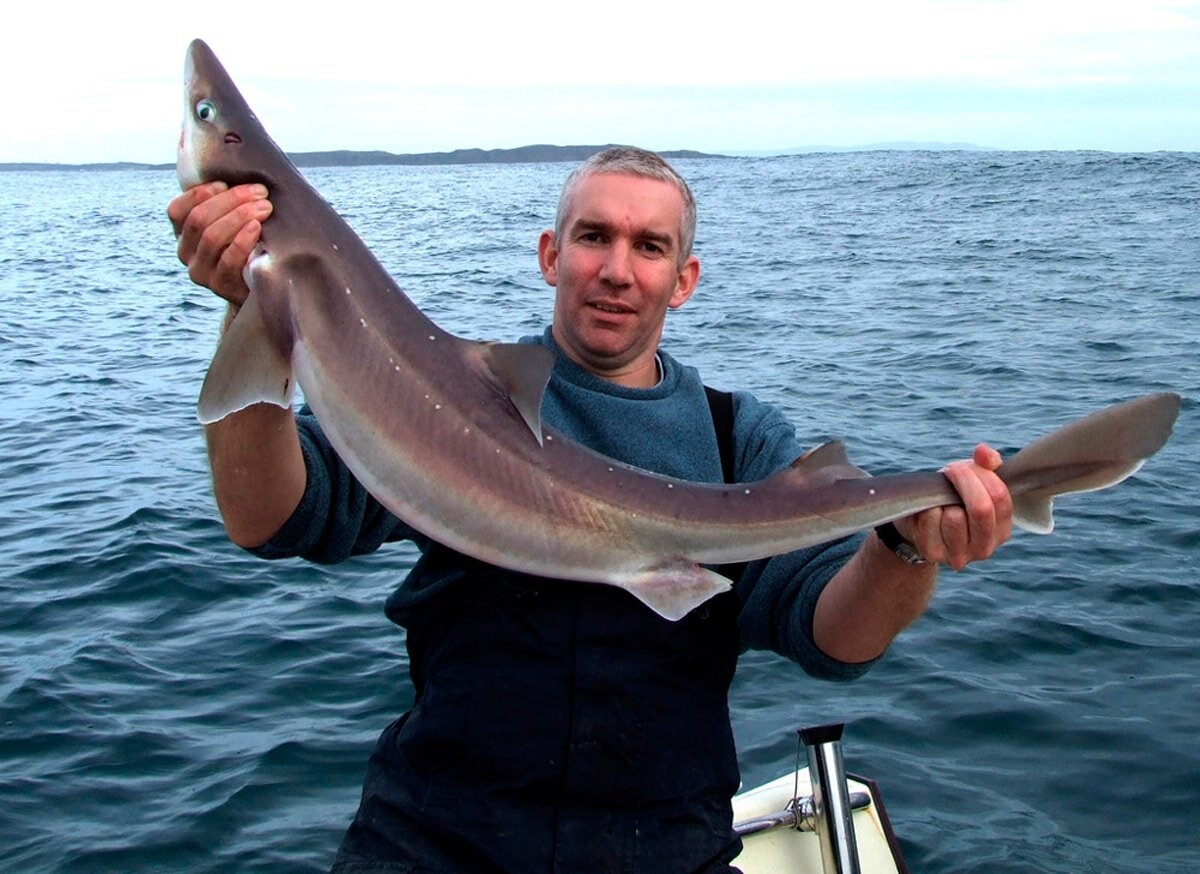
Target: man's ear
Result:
[[548, 257], [689, 275]]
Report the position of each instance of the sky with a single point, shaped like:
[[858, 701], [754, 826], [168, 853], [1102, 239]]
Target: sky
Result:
[[103, 82]]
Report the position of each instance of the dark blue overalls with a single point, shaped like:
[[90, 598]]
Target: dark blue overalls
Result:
[[557, 727]]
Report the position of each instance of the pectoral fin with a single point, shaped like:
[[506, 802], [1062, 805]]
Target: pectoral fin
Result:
[[524, 371], [246, 369]]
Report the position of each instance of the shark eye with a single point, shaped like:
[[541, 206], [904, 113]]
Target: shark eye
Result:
[[206, 110]]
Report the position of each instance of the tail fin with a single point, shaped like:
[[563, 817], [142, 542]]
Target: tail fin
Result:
[[1089, 454]]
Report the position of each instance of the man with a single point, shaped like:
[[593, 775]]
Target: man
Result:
[[563, 726]]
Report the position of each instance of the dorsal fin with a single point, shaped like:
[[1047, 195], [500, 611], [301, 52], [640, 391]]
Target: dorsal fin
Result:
[[833, 452], [524, 370], [826, 463]]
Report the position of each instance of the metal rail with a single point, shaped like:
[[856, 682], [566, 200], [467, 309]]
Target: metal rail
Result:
[[800, 814], [831, 797]]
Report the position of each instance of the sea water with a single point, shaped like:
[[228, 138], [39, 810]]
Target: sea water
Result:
[[170, 703]]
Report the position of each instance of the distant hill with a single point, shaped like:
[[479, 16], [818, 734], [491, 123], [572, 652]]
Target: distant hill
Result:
[[523, 155], [115, 165], [536, 154]]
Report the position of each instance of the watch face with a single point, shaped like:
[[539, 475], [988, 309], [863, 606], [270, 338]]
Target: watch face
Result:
[[893, 540]]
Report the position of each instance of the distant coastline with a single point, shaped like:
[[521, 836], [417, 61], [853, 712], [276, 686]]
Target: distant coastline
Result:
[[535, 154]]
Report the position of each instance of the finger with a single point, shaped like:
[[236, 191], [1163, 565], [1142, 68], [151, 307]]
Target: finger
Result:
[[1002, 505], [955, 533], [204, 262], [215, 208], [180, 206], [987, 457], [925, 533], [991, 461], [228, 280], [972, 534]]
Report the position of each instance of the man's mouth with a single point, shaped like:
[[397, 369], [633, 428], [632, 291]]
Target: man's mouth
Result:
[[615, 309]]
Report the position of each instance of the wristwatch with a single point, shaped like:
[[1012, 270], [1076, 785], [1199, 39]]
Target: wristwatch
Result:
[[894, 540]]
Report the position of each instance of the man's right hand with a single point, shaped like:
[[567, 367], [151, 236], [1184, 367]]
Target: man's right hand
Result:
[[258, 469], [218, 227]]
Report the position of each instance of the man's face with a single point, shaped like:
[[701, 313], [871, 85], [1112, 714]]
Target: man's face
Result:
[[617, 271]]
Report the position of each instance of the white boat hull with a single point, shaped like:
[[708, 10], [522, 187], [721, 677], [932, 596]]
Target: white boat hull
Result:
[[787, 849]]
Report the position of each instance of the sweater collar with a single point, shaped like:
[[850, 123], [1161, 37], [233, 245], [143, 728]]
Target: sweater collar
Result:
[[571, 372]]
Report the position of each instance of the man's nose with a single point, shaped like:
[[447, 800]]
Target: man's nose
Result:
[[617, 268]]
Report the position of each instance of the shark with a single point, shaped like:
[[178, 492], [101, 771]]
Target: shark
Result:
[[446, 432]]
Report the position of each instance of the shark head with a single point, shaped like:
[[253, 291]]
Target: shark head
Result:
[[221, 138]]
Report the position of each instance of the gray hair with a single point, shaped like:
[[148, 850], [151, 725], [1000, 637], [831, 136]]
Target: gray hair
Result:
[[632, 161]]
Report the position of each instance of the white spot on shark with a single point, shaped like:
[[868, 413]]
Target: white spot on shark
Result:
[[363, 322]]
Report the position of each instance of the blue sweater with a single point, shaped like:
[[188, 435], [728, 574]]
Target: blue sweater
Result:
[[666, 429]]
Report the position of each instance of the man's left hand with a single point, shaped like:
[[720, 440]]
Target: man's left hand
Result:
[[957, 536]]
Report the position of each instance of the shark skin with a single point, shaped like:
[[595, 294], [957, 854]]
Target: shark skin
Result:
[[446, 432]]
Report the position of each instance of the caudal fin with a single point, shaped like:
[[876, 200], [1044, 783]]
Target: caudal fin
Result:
[[1089, 454]]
